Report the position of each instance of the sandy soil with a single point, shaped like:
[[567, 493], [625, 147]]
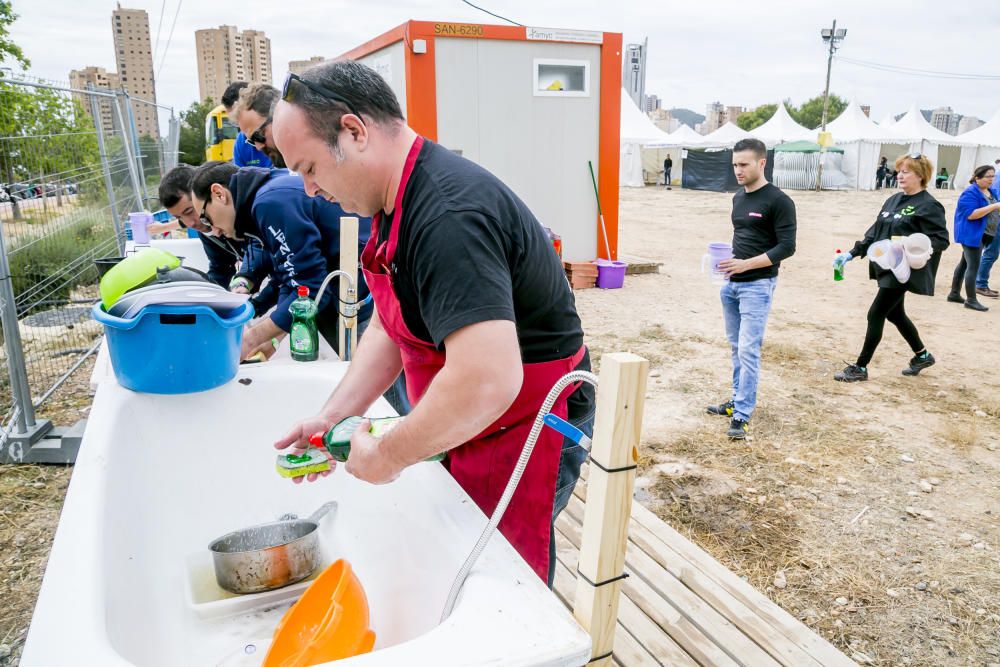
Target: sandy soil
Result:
[[820, 504], [826, 500]]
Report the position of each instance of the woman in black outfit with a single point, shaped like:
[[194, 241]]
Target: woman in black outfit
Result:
[[908, 212], [880, 173]]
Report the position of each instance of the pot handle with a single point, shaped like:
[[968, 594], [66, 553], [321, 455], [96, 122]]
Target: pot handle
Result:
[[321, 512]]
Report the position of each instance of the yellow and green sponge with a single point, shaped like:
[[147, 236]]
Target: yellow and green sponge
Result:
[[296, 465]]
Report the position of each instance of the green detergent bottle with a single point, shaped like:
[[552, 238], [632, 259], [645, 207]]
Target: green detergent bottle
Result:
[[337, 440], [304, 337]]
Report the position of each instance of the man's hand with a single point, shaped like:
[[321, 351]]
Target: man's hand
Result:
[[733, 265], [296, 441], [258, 338], [368, 461]]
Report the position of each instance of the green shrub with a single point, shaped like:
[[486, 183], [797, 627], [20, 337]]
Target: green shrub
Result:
[[68, 252]]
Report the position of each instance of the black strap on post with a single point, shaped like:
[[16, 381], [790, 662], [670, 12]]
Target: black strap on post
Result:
[[611, 470], [623, 575], [600, 657]]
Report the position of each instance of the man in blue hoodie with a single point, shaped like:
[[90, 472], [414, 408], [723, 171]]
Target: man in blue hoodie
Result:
[[301, 234], [236, 265]]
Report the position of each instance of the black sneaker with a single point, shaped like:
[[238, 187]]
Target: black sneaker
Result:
[[975, 305], [722, 410], [853, 373], [919, 363], [955, 297], [738, 429]]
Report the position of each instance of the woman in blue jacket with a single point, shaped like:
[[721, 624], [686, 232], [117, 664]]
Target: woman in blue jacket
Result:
[[975, 207]]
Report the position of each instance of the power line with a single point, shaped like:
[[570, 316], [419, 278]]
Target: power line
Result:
[[156, 44], [502, 18], [166, 48], [913, 71]]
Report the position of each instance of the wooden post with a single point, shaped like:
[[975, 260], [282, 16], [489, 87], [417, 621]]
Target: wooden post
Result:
[[617, 428], [348, 264]]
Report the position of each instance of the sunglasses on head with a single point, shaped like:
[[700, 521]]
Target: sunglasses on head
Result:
[[258, 136], [915, 156], [286, 92]]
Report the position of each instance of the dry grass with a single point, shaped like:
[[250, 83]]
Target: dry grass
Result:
[[960, 433]]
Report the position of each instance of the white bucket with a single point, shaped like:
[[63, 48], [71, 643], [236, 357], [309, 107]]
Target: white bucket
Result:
[[917, 248], [885, 253]]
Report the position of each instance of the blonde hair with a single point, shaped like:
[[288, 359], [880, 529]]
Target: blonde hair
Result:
[[920, 166]]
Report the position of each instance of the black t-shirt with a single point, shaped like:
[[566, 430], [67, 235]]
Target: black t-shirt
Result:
[[763, 222], [470, 251]]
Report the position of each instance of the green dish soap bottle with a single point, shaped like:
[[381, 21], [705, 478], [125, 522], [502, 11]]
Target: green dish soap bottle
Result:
[[838, 271], [337, 440], [304, 336]]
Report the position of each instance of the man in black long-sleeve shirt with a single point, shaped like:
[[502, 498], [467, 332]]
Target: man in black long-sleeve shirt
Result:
[[763, 236]]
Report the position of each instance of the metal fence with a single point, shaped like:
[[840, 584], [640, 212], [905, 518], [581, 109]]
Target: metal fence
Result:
[[72, 166]]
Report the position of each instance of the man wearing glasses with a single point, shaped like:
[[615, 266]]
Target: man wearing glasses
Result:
[[253, 115], [245, 154], [237, 265], [470, 300], [299, 233]]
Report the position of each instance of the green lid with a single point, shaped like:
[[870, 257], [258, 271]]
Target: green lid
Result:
[[134, 271]]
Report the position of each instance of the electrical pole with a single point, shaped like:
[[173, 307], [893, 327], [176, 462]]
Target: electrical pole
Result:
[[832, 37]]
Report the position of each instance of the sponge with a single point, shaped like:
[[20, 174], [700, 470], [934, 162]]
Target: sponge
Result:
[[295, 465]]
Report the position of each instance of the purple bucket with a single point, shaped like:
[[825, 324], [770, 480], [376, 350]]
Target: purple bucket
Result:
[[610, 274], [710, 261], [139, 222]]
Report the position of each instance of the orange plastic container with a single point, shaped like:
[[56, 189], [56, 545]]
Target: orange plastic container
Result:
[[329, 622]]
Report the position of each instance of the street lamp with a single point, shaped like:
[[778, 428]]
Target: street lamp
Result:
[[832, 36]]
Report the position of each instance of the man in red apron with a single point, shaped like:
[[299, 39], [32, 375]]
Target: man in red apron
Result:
[[471, 301]]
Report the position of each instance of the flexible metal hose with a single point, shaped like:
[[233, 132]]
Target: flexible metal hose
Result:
[[508, 492]]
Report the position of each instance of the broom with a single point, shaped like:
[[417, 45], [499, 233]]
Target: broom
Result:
[[604, 229]]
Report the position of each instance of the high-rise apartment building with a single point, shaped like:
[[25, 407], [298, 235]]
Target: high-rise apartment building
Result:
[[715, 117], [134, 57], [968, 123], [102, 79], [300, 66], [225, 55], [653, 103], [946, 120], [634, 72], [733, 113]]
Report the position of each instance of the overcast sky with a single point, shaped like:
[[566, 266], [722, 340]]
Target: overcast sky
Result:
[[741, 53]]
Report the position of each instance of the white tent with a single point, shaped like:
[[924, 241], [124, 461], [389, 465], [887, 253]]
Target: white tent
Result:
[[685, 137], [942, 149], [728, 135], [862, 141], [781, 128], [888, 120], [636, 131], [984, 148]]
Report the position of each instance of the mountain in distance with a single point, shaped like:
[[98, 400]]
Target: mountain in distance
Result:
[[688, 117]]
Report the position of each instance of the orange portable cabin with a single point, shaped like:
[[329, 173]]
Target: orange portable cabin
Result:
[[531, 105]]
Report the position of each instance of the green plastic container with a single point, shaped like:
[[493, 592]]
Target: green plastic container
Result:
[[134, 271]]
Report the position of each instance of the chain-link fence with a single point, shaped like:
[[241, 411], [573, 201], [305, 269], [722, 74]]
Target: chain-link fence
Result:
[[72, 166]]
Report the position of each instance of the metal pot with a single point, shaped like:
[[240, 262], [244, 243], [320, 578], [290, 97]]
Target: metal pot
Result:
[[269, 555]]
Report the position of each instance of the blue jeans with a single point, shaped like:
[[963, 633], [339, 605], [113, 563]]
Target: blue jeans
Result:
[[745, 307], [990, 255], [570, 460]]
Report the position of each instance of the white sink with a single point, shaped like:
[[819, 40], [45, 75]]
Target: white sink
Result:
[[158, 477]]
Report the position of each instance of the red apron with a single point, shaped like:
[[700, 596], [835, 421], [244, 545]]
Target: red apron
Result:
[[483, 465]]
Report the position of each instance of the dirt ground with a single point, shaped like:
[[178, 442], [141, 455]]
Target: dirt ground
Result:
[[884, 494], [867, 510]]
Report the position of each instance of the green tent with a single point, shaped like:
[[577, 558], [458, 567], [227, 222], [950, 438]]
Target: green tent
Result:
[[804, 147]]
